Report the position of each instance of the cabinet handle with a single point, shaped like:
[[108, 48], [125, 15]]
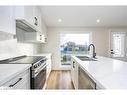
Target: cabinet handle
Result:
[[15, 82], [112, 51], [40, 37], [73, 64], [36, 21]]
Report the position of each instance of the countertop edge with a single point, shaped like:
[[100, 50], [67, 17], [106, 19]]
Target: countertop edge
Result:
[[43, 54]]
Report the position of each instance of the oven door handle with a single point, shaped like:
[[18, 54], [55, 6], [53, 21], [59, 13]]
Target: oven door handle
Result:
[[36, 73]]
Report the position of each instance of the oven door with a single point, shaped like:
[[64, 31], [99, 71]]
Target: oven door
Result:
[[40, 78]]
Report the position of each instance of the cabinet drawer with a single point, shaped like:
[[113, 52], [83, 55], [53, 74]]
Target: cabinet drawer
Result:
[[21, 81]]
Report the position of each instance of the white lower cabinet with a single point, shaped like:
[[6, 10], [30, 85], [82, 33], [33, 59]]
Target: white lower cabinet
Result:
[[21, 81], [49, 66], [80, 78], [74, 73]]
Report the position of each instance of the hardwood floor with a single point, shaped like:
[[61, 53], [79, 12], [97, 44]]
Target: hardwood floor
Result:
[[60, 80]]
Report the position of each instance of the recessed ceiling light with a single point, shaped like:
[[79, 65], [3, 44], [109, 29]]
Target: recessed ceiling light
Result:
[[98, 20], [59, 20]]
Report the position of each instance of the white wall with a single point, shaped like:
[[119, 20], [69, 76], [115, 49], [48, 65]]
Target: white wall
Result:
[[101, 41], [9, 47], [100, 37]]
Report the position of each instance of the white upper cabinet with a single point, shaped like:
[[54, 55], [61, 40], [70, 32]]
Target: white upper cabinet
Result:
[[34, 37], [44, 30], [37, 19], [7, 20], [30, 15], [31, 18]]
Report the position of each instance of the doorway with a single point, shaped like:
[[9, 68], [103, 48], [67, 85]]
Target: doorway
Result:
[[118, 45]]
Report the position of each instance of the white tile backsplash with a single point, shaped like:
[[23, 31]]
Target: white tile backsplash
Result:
[[9, 47]]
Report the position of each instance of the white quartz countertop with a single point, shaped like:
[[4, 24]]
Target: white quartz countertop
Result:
[[8, 71], [108, 73]]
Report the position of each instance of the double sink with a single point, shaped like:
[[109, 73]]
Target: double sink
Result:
[[86, 58]]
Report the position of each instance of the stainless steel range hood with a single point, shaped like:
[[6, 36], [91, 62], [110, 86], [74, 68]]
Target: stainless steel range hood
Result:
[[22, 24]]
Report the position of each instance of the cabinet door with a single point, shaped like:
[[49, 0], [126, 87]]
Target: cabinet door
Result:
[[29, 14], [37, 19], [44, 30], [25, 13], [7, 19], [48, 66], [74, 73], [72, 70]]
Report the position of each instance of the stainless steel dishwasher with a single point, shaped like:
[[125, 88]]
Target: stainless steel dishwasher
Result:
[[84, 81]]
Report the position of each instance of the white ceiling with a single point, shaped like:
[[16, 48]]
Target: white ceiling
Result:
[[85, 16]]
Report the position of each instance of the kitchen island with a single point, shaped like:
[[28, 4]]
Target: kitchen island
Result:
[[106, 72]]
